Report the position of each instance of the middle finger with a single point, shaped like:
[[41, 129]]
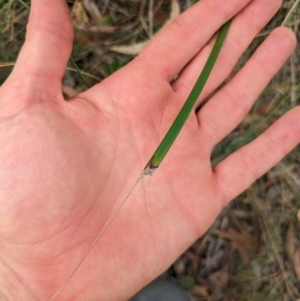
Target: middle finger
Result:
[[181, 40], [244, 27]]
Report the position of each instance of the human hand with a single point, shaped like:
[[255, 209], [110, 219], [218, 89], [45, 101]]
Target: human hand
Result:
[[66, 166]]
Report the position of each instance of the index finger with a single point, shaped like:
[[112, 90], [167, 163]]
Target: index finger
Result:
[[180, 41]]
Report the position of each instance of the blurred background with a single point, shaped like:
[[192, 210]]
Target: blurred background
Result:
[[252, 251]]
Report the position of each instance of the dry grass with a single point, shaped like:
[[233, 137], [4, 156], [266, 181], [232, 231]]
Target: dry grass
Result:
[[252, 251]]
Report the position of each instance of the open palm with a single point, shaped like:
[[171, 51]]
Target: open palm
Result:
[[66, 166]]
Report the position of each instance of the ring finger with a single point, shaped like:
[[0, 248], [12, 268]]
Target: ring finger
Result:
[[231, 104]]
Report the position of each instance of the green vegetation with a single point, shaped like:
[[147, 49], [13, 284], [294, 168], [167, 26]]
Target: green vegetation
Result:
[[252, 251], [188, 106]]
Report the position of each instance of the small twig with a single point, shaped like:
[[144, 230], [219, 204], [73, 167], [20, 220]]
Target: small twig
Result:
[[150, 16], [93, 11], [293, 71], [104, 7], [293, 81], [73, 8], [188, 4], [4, 64]]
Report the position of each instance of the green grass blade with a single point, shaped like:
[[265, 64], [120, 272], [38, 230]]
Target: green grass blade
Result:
[[290, 13], [181, 118], [24, 4], [79, 72], [6, 15]]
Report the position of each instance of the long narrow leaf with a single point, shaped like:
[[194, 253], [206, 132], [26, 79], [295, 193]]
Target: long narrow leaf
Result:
[[79, 72], [24, 4], [181, 118]]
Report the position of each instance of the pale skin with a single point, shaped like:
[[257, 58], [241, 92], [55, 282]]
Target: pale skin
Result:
[[66, 166]]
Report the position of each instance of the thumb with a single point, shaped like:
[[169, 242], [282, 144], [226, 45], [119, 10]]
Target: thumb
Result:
[[49, 40]]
